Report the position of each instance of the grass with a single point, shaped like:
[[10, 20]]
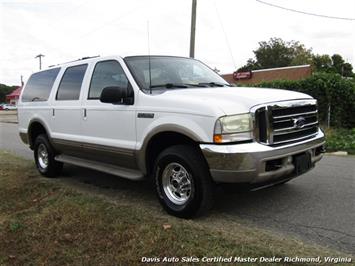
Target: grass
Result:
[[340, 140], [44, 222]]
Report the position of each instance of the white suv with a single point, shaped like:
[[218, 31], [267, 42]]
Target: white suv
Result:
[[169, 118]]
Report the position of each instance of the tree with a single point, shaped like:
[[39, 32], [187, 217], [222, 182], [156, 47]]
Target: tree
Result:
[[347, 70], [278, 53], [4, 90], [322, 63], [338, 62], [334, 64], [301, 55]]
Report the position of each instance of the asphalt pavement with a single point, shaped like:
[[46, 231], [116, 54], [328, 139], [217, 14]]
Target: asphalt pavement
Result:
[[317, 207]]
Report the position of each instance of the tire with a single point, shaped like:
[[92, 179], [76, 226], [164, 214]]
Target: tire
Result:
[[188, 193], [44, 157]]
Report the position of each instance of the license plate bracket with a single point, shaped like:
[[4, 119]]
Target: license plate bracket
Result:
[[302, 163]]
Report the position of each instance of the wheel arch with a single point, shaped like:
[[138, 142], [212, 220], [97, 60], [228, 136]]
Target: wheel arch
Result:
[[159, 140], [35, 128]]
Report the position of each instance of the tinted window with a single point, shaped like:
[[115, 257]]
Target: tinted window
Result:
[[106, 74], [69, 88], [39, 85]]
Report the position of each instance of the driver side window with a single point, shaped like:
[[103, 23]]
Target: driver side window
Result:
[[106, 74]]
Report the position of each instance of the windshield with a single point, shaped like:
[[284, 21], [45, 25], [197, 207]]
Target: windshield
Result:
[[172, 72]]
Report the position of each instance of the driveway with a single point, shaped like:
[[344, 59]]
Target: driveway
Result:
[[318, 207]]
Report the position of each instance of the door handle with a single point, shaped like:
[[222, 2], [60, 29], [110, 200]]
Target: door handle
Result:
[[53, 112], [84, 112]]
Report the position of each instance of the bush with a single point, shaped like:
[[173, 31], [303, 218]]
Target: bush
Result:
[[327, 88], [340, 140]]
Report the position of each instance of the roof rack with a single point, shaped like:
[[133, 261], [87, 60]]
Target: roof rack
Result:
[[83, 58]]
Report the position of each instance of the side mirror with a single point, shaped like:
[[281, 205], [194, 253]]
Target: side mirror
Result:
[[113, 94]]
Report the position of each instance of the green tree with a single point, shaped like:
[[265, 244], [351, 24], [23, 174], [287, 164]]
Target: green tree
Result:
[[347, 70], [334, 64], [278, 53], [338, 62], [322, 63], [4, 90]]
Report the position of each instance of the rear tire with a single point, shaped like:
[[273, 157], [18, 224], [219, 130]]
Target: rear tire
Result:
[[183, 182], [44, 157]]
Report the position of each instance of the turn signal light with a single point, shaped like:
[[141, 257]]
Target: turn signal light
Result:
[[217, 138]]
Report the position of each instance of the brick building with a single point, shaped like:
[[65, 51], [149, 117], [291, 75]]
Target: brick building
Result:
[[13, 97], [270, 74]]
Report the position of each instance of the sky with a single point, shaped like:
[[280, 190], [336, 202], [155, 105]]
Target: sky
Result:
[[227, 31]]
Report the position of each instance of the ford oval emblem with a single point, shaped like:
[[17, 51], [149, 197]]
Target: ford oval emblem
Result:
[[299, 122]]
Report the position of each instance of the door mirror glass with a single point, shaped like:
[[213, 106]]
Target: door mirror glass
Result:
[[113, 95]]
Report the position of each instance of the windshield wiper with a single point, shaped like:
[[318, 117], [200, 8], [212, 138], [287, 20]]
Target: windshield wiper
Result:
[[34, 99], [213, 84], [186, 85], [169, 85]]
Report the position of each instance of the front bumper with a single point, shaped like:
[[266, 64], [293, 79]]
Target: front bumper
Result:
[[255, 163]]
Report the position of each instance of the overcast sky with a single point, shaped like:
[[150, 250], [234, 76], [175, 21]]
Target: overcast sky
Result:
[[65, 30]]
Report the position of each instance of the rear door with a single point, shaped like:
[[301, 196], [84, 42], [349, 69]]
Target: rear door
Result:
[[67, 110]]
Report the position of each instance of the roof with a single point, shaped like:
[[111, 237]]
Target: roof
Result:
[[15, 93]]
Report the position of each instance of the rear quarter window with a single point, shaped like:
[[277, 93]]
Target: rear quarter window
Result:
[[39, 85]]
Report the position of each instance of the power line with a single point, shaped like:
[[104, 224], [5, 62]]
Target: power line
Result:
[[113, 21], [304, 12]]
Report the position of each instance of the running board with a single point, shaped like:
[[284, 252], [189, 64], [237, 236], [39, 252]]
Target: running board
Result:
[[102, 167]]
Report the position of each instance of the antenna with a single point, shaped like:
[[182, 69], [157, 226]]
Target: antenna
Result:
[[149, 66], [225, 35]]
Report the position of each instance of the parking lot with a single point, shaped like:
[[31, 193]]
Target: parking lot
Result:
[[8, 116]]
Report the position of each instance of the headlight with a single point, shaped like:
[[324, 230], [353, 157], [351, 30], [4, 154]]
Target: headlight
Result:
[[233, 128]]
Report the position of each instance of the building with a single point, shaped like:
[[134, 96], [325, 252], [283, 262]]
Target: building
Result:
[[13, 97], [269, 74]]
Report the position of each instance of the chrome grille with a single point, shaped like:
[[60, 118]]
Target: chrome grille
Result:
[[286, 122]]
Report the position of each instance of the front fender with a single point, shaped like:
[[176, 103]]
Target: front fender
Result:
[[200, 131]]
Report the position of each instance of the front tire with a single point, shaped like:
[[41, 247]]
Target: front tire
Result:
[[44, 157], [183, 182]]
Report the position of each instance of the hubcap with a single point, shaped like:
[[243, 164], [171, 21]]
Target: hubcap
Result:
[[177, 183], [42, 155]]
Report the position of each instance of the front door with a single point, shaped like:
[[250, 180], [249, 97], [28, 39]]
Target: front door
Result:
[[108, 130]]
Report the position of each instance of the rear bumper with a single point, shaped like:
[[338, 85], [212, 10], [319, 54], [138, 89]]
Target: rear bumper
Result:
[[255, 163]]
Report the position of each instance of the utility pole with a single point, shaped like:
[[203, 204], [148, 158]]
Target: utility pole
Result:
[[40, 60], [193, 29]]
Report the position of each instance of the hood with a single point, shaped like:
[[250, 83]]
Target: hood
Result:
[[233, 100]]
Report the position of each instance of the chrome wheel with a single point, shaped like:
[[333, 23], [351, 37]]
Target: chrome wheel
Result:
[[177, 183], [42, 154]]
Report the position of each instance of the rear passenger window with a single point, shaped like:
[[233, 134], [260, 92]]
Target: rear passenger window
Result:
[[106, 74], [70, 85], [39, 85]]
